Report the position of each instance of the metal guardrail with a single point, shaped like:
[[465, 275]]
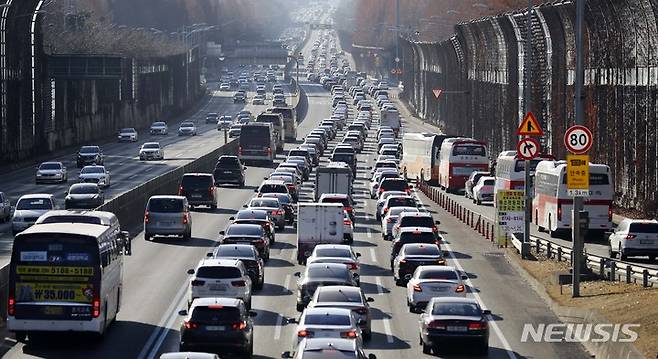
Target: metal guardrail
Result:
[[608, 268]]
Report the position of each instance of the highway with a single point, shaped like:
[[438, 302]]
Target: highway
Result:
[[155, 278], [121, 159]]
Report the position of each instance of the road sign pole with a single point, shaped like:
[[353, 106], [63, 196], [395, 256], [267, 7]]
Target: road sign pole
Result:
[[577, 240]]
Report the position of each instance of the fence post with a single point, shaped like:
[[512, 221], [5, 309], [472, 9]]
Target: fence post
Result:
[[538, 244], [645, 278], [559, 254], [601, 267], [629, 273], [613, 271], [549, 251]]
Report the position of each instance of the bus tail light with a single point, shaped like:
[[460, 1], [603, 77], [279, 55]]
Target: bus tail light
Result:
[[186, 218], [96, 307], [559, 212], [630, 237], [11, 304]]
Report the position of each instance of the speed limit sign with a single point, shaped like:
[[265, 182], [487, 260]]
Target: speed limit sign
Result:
[[578, 139]]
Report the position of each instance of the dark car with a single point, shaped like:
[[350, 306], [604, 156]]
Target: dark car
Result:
[[84, 196], [414, 255], [412, 235], [89, 155], [454, 322], [321, 275], [348, 158], [249, 255], [229, 169], [199, 189], [218, 324], [287, 203], [259, 217], [302, 152], [253, 234]]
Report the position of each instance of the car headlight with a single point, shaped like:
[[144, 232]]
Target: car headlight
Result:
[[39, 174]]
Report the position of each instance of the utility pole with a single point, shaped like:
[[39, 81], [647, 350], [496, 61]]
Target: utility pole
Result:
[[526, 102], [397, 37], [579, 107]]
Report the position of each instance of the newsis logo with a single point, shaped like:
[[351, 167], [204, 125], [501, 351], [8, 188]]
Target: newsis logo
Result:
[[579, 333]]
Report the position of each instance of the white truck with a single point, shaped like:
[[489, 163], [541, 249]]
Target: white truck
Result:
[[336, 177], [390, 117], [318, 223]]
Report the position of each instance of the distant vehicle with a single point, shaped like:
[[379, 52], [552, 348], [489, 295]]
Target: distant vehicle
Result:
[[159, 128], [310, 347], [215, 277], [327, 323], [187, 129], [634, 238], [510, 171], [430, 281], [348, 297], [199, 189], [211, 117], [224, 122], [51, 172], [225, 86], [470, 324], [151, 151], [95, 174], [289, 121], [413, 255], [167, 215], [235, 131], [90, 155], [247, 254], [257, 142], [253, 234], [229, 169], [206, 317], [93, 251], [336, 177], [279, 100], [552, 205], [29, 208], [472, 181], [276, 119], [84, 196], [258, 100], [319, 275], [458, 159], [421, 157], [239, 97], [128, 134], [391, 118], [318, 224], [5, 208], [484, 190]]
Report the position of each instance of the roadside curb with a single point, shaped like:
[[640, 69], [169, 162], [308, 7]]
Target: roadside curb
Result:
[[601, 350]]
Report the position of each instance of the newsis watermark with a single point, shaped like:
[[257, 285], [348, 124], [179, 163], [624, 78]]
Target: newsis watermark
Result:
[[579, 333]]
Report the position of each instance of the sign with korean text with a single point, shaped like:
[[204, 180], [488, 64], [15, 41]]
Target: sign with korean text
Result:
[[578, 175], [510, 215]]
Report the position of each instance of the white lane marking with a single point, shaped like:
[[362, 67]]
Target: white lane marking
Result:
[[165, 330], [292, 255], [369, 233], [277, 329], [163, 320], [133, 176], [373, 255], [387, 325], [476, 296], [286, 283]]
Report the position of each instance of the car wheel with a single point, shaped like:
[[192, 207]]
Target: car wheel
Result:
[[147, 236], [20, 336], [188, 235], [426, 348], [300, 307], [483, 349], [622, 255], [249, 352], [213, 206], [260, 284], [399, 282]]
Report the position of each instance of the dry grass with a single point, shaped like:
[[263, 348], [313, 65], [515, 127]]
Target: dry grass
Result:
[[618, 302]]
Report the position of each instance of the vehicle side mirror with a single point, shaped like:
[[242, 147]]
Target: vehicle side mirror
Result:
[[291, 321], [288, 354], [437, 222], [298, 274], [256, 190], [372, 356], [370, 299], [265, 178], [222, 232], [358, 255], [232, 218], [464, 277], [182, 312], [252, 313], [244, 206], [486, 312], [244, 167], [407, 276], [190, 271], [127, 242], [209, 254]]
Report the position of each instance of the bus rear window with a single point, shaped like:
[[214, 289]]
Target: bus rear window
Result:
[[469, 150], [55, 249]]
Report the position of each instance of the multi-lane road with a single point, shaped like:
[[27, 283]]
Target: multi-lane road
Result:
[[155, 278]]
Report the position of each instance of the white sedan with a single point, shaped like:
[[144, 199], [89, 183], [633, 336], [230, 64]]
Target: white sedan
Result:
[[151, 151], [484, 189], [95, 174], [327, 323], [432, 281]]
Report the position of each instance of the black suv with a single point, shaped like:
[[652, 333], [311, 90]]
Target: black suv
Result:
[[229, 169], [199, 189], [89, 155], [249, 255]]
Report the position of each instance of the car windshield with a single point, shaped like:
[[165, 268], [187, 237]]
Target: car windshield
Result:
[[218, 272], [92, 170], [50, 166], [438, 274], [215, 315], [83, 189], [186, 124], [244, 230], [34, 204], [165, 205], [456, 309], [151, 146], [89, 149], [327, 319], [422, 250], [159, 124], [332, 252], [264, 202]]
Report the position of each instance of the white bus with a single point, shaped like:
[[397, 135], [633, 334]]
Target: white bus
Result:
[[510, 171], [460, 157], [65, 278], [552, 206], [420, 155]]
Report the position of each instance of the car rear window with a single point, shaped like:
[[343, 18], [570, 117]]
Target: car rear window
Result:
[[330, 272], [267, 203], [401, 202], [644, 228], [72, 219], [422, 250], [344, 201], [343, 157], [458, 309], [323, 319], [332, 295], [225, 162], [165, 205], [332, 252], [417, 222], [410, 237], [438, 274], [273, 188], [196, 181], [328, 353], [394, 185], [234, 251], [219, 315], [218, 272], [244, 230]]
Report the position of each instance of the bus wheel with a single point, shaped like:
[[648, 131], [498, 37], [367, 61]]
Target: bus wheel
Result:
[[20, 336]]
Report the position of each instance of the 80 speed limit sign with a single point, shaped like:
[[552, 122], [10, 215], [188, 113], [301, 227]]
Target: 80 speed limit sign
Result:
[[578, 139]]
